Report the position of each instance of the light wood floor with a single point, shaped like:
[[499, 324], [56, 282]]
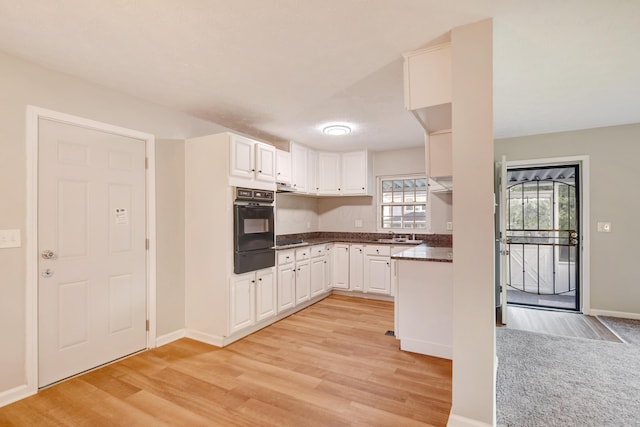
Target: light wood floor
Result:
[[328, 365], [559, 323]]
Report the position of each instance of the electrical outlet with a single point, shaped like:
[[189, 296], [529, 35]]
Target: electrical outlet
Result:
[[358, 223], [449, 226], [10, 239], [604, 227]]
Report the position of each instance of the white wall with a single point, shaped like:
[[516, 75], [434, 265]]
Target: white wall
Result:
[[340, 213], [473, 266], [22, 84], [170, 213], [296, 214], [615, 197]]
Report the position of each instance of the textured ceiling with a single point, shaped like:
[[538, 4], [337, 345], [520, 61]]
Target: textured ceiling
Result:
[[279, 69]]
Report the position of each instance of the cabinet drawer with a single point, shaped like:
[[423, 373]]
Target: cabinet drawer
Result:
[[384, 250], [318, 250], [303, 253], [286, 257]]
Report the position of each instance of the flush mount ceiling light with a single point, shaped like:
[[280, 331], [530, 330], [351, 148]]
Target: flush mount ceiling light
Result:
[[336, 130]]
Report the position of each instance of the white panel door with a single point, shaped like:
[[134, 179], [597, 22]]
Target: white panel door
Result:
[[286, 287], [92, 291], [265, 163], [312, 172], [356, 267], [354, 172], [242, 157], [283, 166], [328, 173], [299, 167], [377, 275], [242, 301], [266, 294], [340, 266], [318, 267], [303, 281]]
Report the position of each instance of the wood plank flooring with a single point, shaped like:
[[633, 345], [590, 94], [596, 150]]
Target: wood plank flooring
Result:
[[559, 323], [328, 365]]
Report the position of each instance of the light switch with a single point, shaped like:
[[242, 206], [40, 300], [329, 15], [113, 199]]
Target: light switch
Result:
[[604, 227], [449, 226], [10, 239]]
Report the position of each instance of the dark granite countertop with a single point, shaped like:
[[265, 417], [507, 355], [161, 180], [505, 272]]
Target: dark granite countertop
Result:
[[425, 253], [436, 247]]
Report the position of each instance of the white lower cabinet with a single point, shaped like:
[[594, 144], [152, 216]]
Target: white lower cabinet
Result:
[[253, 298], [340, 266], [303, 281], [318, 270], [328, 272], [286, 280], [377, 269], [356, 267], [266, 294]]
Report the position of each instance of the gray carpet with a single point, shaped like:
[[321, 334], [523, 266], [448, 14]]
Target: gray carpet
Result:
[[544, 380], [627, 329]]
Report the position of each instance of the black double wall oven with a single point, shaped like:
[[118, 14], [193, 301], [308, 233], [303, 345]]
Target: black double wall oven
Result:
[[254, 236]]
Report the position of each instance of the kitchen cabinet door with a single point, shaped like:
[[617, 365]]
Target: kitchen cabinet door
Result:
[[440, 163], [318, 284], [354, 173], [286, 287], [299, 167], [356, 267], [341, 266], [312, 171], [283, 166], [242, 307], [266, 294], [242, 157], [265, 167], [328, 272], [328, 173], [303, 281], [377, 274]]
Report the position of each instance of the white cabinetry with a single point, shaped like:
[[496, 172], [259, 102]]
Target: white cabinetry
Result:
[[328, 173], [377, 269], [251, 161], [252, 298], [303, 275], [439, 155], [328, 258], [312, 172], [242, 305], [340, 266], [357, 174], [356, 267], [283, 166], [318, 270], [286, 280], [299, 167]]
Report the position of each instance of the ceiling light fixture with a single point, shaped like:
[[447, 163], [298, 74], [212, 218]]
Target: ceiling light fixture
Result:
[[336, 130]]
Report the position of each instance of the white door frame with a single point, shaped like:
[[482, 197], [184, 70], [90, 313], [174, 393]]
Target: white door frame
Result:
[[583, 161], [33, 115]]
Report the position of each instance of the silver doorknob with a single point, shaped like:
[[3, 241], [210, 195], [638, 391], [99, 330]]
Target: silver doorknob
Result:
[[47, 273], [48, 254]]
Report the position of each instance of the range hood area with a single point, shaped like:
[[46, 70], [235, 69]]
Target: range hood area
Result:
[[441, 184]]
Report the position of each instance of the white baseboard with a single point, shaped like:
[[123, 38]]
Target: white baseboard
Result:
[[170, 337], [365, 295], [17, 393], [460, 421], [622, 314], [216, 340], [428, 348]]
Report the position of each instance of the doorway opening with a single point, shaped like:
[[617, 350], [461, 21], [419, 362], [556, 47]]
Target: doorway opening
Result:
[[543, 236]]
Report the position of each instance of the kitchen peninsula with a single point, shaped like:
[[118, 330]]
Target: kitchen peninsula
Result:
[[423, 281]]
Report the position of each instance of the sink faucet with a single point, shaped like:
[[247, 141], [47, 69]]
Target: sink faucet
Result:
[[393, 234]]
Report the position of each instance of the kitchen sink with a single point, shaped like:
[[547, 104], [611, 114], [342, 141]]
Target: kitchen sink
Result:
[[400, 240]]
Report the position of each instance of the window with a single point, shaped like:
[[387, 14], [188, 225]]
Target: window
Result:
[[403, 203]]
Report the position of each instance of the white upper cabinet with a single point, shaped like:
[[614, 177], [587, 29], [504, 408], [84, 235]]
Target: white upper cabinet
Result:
[[242, 157], [356, 173], [427, 86], [283, 166], [299, 167], [265, 162], [251, 162], [328, 173], [312, 171]]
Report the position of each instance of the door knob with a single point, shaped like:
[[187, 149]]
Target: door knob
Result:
[[47, 273], [48, 254]]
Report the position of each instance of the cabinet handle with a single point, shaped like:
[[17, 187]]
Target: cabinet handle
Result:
[[360, 250], [253, 281], [278, 173], [363, 188], [378, 251], [387, 264], [339, 189], [259, 171], [260, 279], [253, 170]]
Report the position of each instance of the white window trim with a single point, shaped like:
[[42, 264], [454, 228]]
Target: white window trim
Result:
[[379, 204]]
